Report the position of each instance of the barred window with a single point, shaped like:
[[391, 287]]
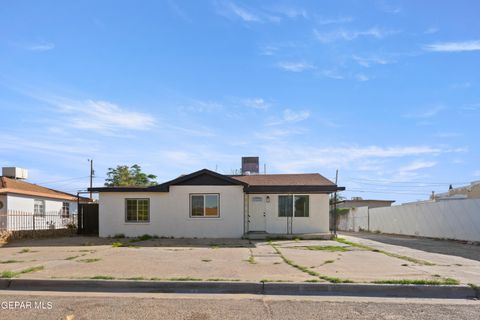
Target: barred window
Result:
[[39, 207], [66, 209]]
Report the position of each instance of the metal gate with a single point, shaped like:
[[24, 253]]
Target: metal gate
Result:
[[88, 219]]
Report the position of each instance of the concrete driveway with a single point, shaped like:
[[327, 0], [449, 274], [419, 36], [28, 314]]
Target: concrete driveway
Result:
[[447, 247], [352, 259]]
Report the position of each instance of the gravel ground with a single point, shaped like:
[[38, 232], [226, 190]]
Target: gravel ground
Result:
[[203, 307]]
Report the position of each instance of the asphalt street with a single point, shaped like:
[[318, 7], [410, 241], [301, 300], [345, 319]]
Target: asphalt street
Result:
[[55, 305]]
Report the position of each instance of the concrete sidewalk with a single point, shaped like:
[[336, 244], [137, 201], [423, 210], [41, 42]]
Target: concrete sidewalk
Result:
[[447, 266], [231, 260]]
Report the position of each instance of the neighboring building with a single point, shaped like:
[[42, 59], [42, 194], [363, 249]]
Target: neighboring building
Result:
[[207, 204], [346, 219], [357, 202], [471, 191], [24, 205]]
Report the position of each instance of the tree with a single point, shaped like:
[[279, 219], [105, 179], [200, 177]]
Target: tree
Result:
[[123, 176]]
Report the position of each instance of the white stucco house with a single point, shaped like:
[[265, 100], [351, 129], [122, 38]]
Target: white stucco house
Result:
[[206, 204], [27, 206]]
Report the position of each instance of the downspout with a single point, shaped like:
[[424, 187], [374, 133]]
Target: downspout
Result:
[[368, 219], [78, 212]]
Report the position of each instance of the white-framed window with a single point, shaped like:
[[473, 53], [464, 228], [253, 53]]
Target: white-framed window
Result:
[[205, 205], [66, 209], [296, 205], [137, 210], [39, 207]]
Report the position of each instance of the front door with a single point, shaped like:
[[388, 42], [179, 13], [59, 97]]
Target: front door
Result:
[[257, 214]]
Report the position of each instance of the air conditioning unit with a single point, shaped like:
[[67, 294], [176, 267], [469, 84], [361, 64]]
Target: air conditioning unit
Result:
[[15, 172]]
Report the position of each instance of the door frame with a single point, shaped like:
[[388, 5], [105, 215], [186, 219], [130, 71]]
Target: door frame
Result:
[[251, 213]]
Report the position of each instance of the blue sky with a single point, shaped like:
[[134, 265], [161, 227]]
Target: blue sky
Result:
[[385, 91]]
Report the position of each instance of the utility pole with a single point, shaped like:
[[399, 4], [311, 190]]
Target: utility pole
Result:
[[335, 207], [91, 176]]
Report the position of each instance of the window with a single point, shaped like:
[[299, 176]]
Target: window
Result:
[[285, 206], [137, 210], [39, 207], [205, 205], [301, 206], [297, 205], [66, 209]]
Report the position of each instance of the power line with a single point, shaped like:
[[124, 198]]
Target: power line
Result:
[[388, 192], [426, 187], [55, 181], [386, 181]]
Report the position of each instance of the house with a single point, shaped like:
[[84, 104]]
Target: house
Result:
[[471, 191], [207, 204], [357, 202], [27, 206], [348, 212]]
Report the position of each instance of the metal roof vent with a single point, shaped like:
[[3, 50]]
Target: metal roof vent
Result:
[[250, 165]]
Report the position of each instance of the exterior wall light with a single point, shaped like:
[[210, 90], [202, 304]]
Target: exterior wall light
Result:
[[268, 199]]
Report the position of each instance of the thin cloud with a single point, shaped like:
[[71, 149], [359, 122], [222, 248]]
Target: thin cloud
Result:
[[367, 62], [349, 35], [332, 74], [361, 77], [232, 10], [431, 30], [106, 116], [269, 50], [389, 7], [446, 135], [290, 12], [41, 46], [199, 106], [472, 107], [243, 13], [295, 66], [279, 133], [177, 10], [101, 116], [301, 157], [426, 114], [336, 20], [417, 165], [257, 103], [291, 116], [295, 116], [460, 46]]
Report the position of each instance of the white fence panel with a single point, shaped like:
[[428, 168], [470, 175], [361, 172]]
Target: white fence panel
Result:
[[448, 219]]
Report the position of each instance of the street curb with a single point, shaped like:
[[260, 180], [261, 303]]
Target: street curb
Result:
[[268, 288], [132, 286], [372, 290]]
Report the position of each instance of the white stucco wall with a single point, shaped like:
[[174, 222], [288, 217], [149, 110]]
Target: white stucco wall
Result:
[[170, 214], [20, 209], [448, 219], [26, 204], [317, 222]]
